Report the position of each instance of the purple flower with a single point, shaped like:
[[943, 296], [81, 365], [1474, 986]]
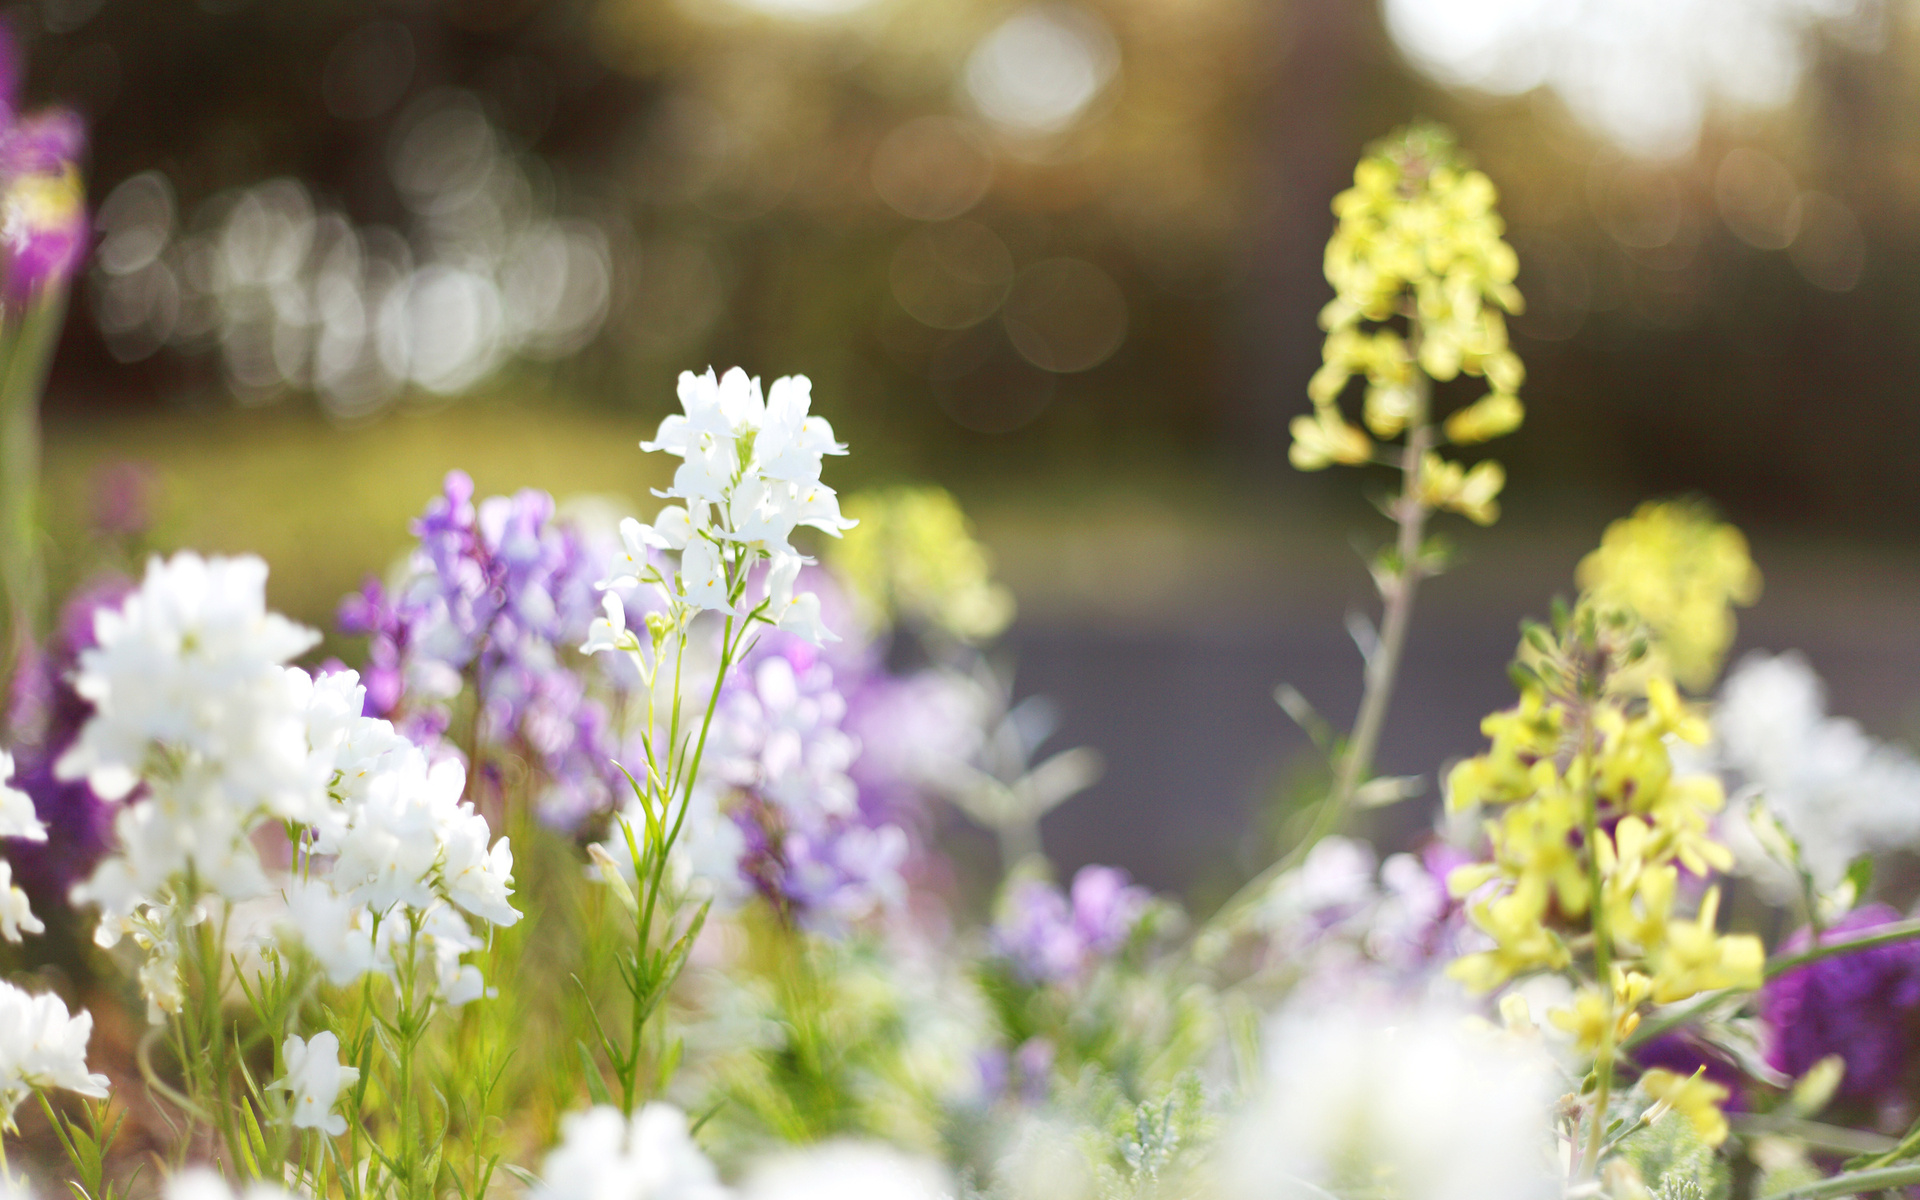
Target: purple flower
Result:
[[497, 599], [1051, 939], [43, 209], [1861, 1006], [46, 715], [123, 498]]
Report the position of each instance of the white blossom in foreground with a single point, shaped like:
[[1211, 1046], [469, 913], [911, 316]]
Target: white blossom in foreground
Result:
[[191, 696], [847, 1171], [41, 1046], [315, 1077], [202, 1183], [1417, 1103], [1838, 792], [604, 1156], [16, 915], [17, 817]]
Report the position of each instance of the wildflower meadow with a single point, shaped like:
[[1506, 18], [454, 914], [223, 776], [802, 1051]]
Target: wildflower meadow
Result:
[[618, 864]]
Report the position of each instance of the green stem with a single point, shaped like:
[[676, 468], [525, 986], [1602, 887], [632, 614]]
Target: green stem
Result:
[[1383, 667], [1885, 935], [1853, 1183], [26, 356], [1814, 1133]]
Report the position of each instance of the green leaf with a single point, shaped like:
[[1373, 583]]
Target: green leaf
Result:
[[596, 1084]]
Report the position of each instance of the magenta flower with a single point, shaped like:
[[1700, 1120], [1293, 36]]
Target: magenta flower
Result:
[[43, 202], [1863, 1006]]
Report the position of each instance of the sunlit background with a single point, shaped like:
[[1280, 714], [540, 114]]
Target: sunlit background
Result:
[[1061, 256]]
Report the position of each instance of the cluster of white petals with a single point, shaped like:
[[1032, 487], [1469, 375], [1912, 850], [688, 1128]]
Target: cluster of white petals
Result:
[[194, 699], [1421, 1097], [604, 1156], [395, 857], [847, 1170], [1838, 792], [191, 696], [41, 1046], [204, 1183], [749, 476]]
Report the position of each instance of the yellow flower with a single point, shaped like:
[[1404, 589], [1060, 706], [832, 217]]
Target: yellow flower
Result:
[[913, 555], [1694, 1097], [1586, 1019], [1695, 958], [1682, 572], [1522, 943], [1493, 415], [1324, 439]]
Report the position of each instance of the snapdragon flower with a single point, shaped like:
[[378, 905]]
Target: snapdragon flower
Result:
[[315, 1077], [603, 1155], [41, 1046]]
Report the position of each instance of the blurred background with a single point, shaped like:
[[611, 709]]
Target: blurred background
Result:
[[1061, 256]]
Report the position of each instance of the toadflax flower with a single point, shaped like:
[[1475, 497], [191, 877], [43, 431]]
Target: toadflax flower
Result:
[[41, 1046], [602, 1155], [1051, 938], [204, 1183], [16, 915], [314, 1077]]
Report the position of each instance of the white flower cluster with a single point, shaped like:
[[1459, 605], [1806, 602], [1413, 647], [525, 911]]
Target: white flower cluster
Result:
[[1416, 1100], [41, 1046], [750, 476], [604, 1156], [194, 699], [395, 856], [1837, 791], [314, 1078], [17, 820]]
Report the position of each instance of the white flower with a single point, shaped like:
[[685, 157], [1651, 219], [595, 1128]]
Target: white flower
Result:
[[203, 1183], [1418, 1100], [16, 915], [189, 668], [387, 853], [846, 1170], [337, 933], [1839, 792], [603, 1156], [314, 1077], [474, 877], [42, 1047], [799, 615], [633, 561], [610, 632], [703, 578], [17, 818]]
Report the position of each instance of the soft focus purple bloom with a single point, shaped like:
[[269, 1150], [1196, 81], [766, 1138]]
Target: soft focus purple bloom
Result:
[[124, 493], [1050, 939], [43, 212], [45, 716], [1861, 1006], [498, 597]]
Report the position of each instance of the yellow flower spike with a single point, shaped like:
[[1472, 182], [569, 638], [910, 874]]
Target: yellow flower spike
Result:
[[1694, 1097], [1493, 415], [1630, 988], [1674, 715]]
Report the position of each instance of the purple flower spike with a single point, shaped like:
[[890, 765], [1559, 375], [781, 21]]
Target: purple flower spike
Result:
[[1861, 1006], [1050, 939], [1106, 907]]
